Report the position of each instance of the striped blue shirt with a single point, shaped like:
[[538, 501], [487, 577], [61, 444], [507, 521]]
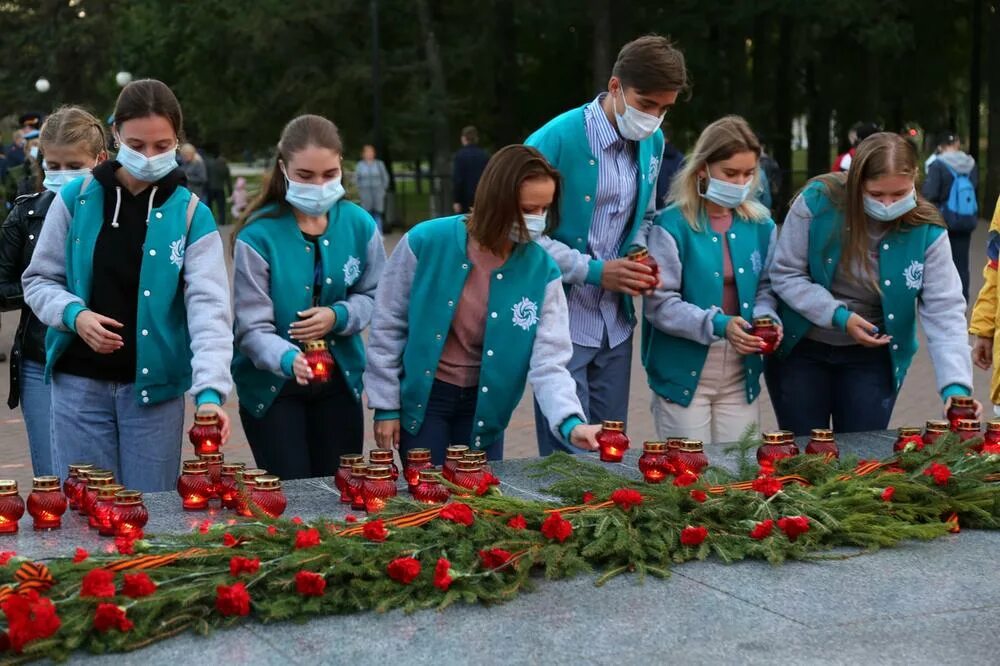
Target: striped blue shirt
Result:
[[595, 312]]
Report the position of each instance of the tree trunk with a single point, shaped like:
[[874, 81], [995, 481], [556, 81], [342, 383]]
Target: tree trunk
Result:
[[441, 146], [992, 187], [505, 74], [817, 124], [781, 138], [975, 89], [600, 44]]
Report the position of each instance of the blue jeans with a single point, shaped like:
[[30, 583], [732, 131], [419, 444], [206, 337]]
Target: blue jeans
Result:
[[101, 423], [853, 385], [36, 403], [602, 376], [447, 422]]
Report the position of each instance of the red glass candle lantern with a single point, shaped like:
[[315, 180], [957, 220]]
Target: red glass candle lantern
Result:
[[72, 484], [673, 448], [416, 460], [11, 507], [934, 430], [80, 488], [908, 439], [642, 255], [451, 457], [479, 457], [227, 488], [246, 478], [214, 462], [653, 462], [775, 447], [268, 495], [962, 407], [96, 480], [429, 488], [377, 488], [194, 486], [343, 474], [992, 437], [969, 429], [129, 515], [46, 503], [691, 455], [355, 485], [469, 474], [319, 359], [206, 433], [100, 516], [383, 458], [822, 443], [765, 329], [613, 441]]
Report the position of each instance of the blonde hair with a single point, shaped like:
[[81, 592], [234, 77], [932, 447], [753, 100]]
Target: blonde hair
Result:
[[881, 154], [719, 141], [71, 126]]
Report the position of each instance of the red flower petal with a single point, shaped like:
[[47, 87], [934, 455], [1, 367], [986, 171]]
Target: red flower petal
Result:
[[307, 538], [80, 555], [375, 530], [517, 522], [232, 599], [626, 498], [310, 584], [762, 530], [98, 583], [442, 577], [556, 527], [693, 536], [698, 495], [138, 585], [110, 616], [403, 569], [888, 493]]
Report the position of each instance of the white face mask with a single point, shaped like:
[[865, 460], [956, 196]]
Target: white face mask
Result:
[[535, 225], [146, 169], [726, 194], [313, 199], [54, 180], [897, 209], [634, 124], [33, 151]]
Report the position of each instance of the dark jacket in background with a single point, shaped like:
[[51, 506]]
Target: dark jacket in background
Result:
[[468, 167], [671, 163], [18, 237]]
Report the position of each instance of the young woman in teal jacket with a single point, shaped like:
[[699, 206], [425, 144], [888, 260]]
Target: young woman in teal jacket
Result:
[[713, 246], [128, 274], [306, 266], [469, 308]]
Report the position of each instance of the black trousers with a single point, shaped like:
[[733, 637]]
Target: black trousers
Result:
[[960, 243], [306, 430]]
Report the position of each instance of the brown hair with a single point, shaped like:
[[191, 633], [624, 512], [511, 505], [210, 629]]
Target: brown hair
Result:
[[300, 132], [719, 141], [881, 154], [651, 64], [148, 97], [71, 126], [497, 206]]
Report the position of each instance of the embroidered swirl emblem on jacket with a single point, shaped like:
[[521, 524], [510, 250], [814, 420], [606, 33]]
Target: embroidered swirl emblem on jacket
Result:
[[914, 275], [654, 164], [525, 313], [352, 270], [756, 263], [177, 252]]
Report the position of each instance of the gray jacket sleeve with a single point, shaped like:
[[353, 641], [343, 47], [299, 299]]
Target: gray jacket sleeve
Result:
[[361, 297], [665, 308], [390, 329], [942, 314], [256, 332], [765, 301], [553, 385], [789, 273], [44, 280], [209, 315], [573, 263]]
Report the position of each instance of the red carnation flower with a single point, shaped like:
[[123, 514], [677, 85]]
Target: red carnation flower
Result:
[[457, 512], [794, 526], [5, 557], [98, 583], [241, 565], [484, 485], [110, 616], [626, 498], [588, 497], [232, 599], [296, 520], [698, 495], [766, 485], [557, 527], [228, 540], [80, 555], [685, 478], [693, 536], [442, 577], [125, 545], [517, 522], [940, 473], [29, 617], [351, 518], [494, 558], [272, 530], [307, 538], [375, 530], [310, 584], [403, 569], [888, 493], [204, 526], [138, 585], [762, 530]]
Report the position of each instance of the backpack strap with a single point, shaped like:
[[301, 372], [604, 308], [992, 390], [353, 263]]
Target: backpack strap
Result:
[[191, 207]]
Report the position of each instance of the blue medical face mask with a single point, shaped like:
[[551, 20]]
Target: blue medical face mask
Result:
[[313, 199], [535, 224], [633, 124], [146, 169], [897, 209], [726, 194], [54, 180]]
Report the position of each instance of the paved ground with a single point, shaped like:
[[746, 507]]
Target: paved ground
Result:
[[917, 402]]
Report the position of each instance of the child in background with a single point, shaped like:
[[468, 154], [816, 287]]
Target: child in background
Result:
[[239, 198], [983, 323]]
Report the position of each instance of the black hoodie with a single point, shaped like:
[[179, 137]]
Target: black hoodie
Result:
[[117, 260]]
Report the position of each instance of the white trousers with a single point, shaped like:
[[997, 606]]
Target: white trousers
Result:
[[718, 412]]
